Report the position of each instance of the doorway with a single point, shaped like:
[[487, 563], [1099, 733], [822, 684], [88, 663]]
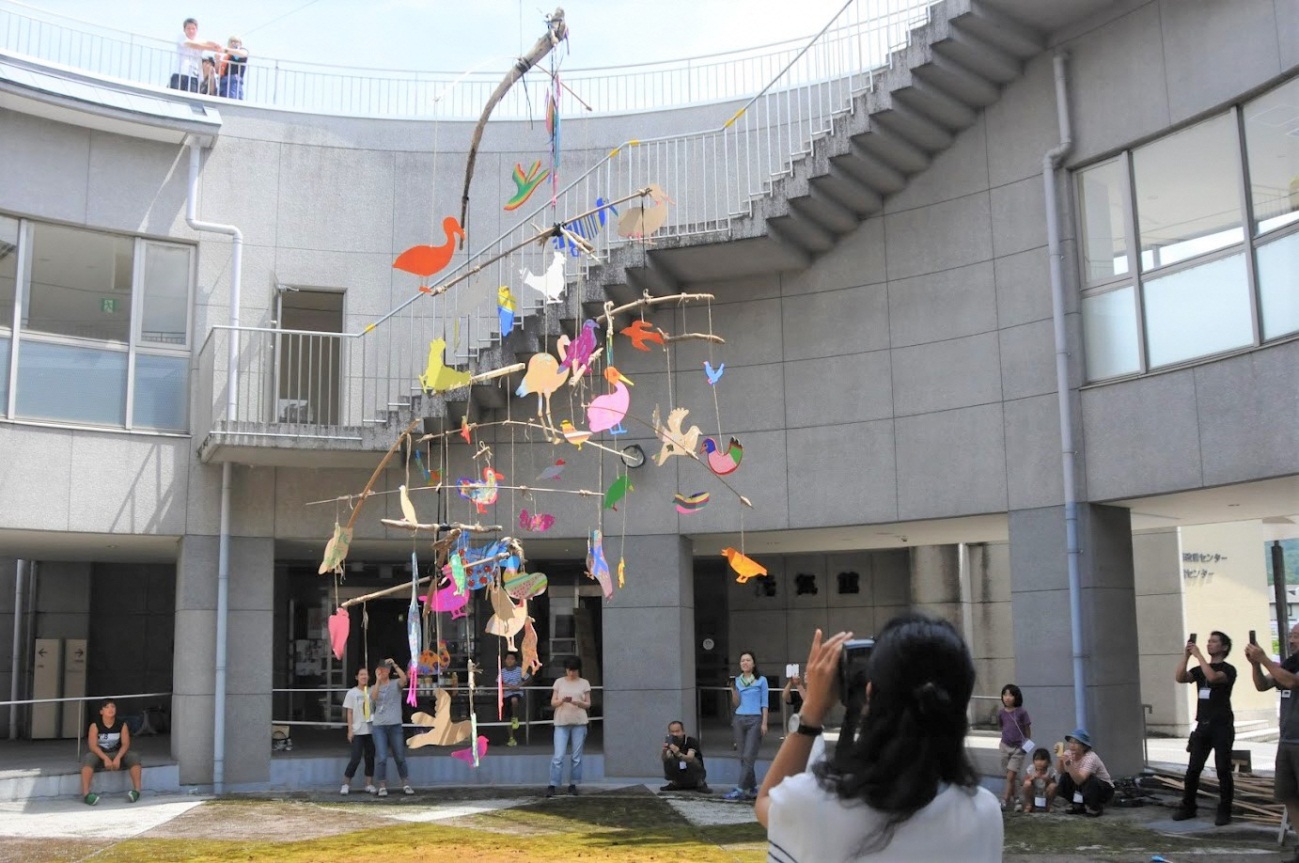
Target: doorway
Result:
[[308, 367]]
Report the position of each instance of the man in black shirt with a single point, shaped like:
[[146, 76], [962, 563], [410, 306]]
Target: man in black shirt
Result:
[[1284, 677], [683, 763], [1215, 724]]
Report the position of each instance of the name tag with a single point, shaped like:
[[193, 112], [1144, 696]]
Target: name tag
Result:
[[1204, 694], [683, 765], [1039, 802], [1077, 797], [1285, 693]]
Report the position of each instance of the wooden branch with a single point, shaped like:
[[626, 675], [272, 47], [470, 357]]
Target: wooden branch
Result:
[[497, 373], [646, 299], [685, 337]]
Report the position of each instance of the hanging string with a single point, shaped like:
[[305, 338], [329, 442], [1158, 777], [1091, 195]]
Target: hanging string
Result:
[[716, 404]]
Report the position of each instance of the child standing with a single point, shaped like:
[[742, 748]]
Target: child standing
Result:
[[1015, 730], [1040, 783]]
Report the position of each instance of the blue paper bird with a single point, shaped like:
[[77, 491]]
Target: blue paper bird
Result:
[[580, 352], [714, 374]]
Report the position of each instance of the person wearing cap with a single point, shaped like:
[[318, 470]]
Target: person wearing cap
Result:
[[1215, 724], [1285, 677], [1084, 781]]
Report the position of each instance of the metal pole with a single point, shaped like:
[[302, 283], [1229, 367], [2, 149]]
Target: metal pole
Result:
[[1282, 600], [15, 676]]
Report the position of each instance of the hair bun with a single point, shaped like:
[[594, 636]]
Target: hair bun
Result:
[[931, 699]]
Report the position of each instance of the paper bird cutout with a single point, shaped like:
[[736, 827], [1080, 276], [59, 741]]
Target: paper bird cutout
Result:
[[531, 664], [431, 477], [427, 260], [336, 550], [574, 435], [437, 376], [507, 618], [526, 184], [552, 472], [466, 429], [596, 566], [675, 441], [639, 222], [745, 567], [581, 351], [549, 284], [691, 504], [544, 376], [622, 573], [537, 522], [407, 508], [483, 494], [642, 334], [340, 626], [469, 756], [506, 306], [441, 730], [714, 374], [459, 577], [449, 598], [585, 229], [524, 585], [433, 661], [605, 413], [617, 492], [722, 463]]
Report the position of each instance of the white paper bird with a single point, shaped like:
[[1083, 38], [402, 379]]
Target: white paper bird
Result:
[[407, 508], [551, 282]]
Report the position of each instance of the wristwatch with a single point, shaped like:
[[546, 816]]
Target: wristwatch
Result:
[[809, 730]]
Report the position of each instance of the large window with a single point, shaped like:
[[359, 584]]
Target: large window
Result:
[[1181, 258], [94, 327]]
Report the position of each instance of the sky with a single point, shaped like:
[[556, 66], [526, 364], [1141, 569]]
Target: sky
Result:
[[436, 35]]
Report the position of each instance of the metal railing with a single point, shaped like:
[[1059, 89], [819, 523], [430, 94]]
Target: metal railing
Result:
[[80, 701], [330, 88]]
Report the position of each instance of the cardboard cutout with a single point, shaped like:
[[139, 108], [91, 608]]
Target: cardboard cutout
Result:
[[745, 567]]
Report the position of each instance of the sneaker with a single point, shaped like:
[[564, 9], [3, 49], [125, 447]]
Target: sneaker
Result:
[[407, 790], [91, 799], [1183, 814], [1018, 807], [370, 789], [1223, 819], [132, 796], [572, 789], [1077, 809], [511, 742], [671, 786], [550, 791], [383, 792], [1094, 813], [346, 789], [734, 794], [514, 724], [751, 794]]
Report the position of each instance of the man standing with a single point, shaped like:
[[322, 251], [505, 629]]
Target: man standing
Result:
[[683, 763], [1284, 677], [1215, 724], [189, 58]]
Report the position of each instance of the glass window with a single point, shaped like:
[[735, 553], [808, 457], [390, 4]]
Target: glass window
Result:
[[1110, 335], [80, 283], [1272, 147], [71, 384], [8, 270], [160, 398], [4, 376], [1188, 193], [1278, 286], [165, 315], [1101, 196], [1199, 311]]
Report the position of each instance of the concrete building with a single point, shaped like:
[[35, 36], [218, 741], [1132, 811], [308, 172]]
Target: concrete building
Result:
[[892, 368]]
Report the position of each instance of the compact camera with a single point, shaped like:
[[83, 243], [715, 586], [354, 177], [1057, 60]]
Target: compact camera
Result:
[[853, 663]]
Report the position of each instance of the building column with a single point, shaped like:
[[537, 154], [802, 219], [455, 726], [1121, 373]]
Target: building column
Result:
[[248, 660], [649, 654], [992, 631], [936, 583], [1043, 646], [1157, 568]]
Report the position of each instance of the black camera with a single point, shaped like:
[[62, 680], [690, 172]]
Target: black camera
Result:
[[853, 663]]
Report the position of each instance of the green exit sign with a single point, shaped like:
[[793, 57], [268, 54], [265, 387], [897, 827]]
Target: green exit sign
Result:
[[108, 305]]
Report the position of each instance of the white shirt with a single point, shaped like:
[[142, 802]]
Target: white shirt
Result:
[[807, 824], [189, 61], [358, 701]]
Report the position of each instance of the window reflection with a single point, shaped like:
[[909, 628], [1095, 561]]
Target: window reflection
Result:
[[1101, 194], [1111, 339], [1197, 312], [1272, 147], [1278, 286], [8, 271], [80, 284]]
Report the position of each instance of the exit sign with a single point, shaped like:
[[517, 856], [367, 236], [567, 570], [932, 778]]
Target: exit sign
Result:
[[108, 305]]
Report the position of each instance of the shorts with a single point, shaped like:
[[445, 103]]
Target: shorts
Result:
[[129, 760], [1012, 758], [1040, 784], [1286, 789]]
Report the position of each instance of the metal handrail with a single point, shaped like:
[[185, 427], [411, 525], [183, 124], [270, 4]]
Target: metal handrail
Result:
[[81, 705]]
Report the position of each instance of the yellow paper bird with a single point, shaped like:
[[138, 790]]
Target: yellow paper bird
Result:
[[574, 435], [745, 567], [437, 377], [622, 573]]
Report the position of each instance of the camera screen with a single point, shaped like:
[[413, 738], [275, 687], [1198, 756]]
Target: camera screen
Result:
[[853, 663]]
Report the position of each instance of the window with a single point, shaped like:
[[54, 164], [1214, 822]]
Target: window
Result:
[[8, 269], [1198, 311], [80, 284], [1101, 194], [1278, 286], [164, 319], [1272, 147], [1111, 339]]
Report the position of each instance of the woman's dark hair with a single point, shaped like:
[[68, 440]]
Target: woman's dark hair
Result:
[[754, 657], [572, 664], [107, 701], [1014, 691], [911, 739]]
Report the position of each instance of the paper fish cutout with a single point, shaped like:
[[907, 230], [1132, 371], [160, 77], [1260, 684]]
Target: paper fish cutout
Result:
[[441, 730], [606, 412], [451, 599], [479, 577], [531, 664], [585, 228], [505, 309], [437, 376], [745, 567], [483, 494], [459, 577], [552, 472], [539, 522], [526, 184], [549, 284], [336, 550], [691, 504], [639, 222], [525, 585], [722, 463], [714, 374], [642, 334], [340, 625], [574, 435], [471, 755], [675, 441], [427, 260], [622, 573], [414, 629], [507, 618], [582, 349], [596, 566], [617, 492]]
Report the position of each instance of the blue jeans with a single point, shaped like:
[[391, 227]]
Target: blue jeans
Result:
[[748, 737], [389, 739], [563, 735]]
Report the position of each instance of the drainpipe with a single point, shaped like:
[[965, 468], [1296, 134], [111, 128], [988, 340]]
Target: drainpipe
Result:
[[232, 399], [20, 578], [1073, 552]]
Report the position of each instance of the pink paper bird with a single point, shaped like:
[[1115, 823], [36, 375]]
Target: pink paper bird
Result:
[[539, 522], [605, 413], [447, 599], [340, 624], [467, 755]]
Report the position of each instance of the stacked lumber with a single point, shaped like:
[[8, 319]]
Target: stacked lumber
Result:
[[1252, 800]]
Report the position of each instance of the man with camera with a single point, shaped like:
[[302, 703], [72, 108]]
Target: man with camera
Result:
[[683, 763], [1215, 724]]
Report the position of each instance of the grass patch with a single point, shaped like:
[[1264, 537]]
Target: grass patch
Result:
[[1111, 834]]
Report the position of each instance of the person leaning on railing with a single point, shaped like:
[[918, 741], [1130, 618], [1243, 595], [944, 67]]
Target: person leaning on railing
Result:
[[189, 58], [231, 69]]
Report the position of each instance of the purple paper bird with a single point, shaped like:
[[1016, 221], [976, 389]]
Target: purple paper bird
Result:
[[580, 352]]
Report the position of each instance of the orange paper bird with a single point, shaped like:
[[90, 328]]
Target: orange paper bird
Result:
[[641, 333], [745, 567], [427, 260]]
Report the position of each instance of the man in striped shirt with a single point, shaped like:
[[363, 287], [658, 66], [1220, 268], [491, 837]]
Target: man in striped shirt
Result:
[[512, 678]]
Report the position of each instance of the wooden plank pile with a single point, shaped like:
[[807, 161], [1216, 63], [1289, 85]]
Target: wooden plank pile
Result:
[[1252, 800]]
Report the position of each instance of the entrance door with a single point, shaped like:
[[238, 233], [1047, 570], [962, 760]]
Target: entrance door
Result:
[[307, 354]]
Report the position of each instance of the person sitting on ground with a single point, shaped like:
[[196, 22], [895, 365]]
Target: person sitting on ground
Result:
[[1083, 777], [108, 742], [683, 762], [1040, 783]]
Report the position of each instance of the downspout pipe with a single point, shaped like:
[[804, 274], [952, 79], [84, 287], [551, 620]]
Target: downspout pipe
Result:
[[1073, 551], [232, 401], [16, 675]]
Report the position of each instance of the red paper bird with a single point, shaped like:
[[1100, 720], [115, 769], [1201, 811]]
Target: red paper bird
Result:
[[640, 333], [426, 260]]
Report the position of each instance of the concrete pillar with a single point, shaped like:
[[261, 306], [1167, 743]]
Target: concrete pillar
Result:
[[1157, 570], [248, 677], [649, 654], [1040, 612], [992, 639], [936, 582]]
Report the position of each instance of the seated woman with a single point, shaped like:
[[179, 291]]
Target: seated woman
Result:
[[900, 785], [1084, 781], [108, 742]]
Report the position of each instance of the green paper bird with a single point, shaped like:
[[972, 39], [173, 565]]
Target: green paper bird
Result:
[[617, 492]]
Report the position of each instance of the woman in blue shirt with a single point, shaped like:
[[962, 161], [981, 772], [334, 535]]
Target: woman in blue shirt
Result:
[[749, 698]]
